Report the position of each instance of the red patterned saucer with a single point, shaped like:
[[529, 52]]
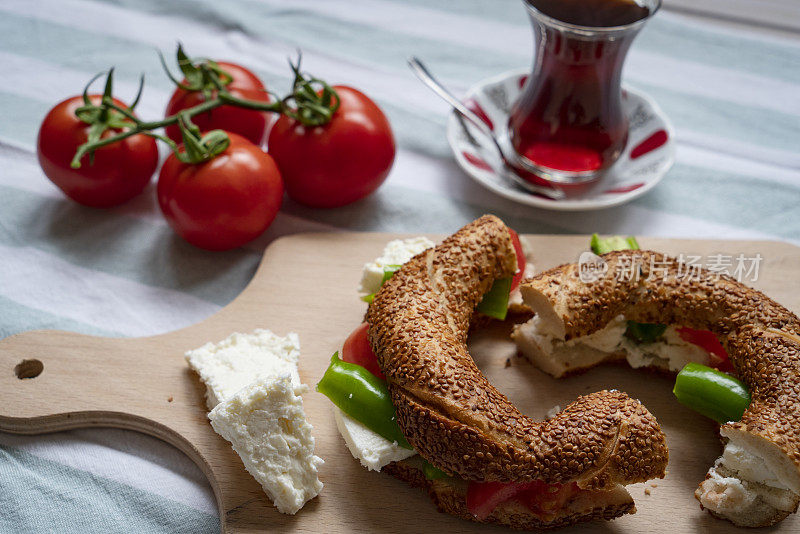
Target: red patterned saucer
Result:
[[647, 157]]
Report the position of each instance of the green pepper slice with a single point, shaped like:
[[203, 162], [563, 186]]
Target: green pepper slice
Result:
[[432, 472], [363, 396], [388, 272], [712, 393], [495, 302], [617, 242], [645, 332]]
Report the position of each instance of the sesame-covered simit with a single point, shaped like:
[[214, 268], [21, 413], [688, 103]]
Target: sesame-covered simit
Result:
[[450, 412], [762, 339]]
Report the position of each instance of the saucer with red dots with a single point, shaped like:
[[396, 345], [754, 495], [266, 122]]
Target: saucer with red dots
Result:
[[648, 155]]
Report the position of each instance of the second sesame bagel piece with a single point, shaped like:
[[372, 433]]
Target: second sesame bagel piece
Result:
[[756, 482], [450, 412]]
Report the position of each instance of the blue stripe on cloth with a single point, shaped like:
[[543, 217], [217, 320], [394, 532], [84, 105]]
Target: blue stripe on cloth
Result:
[[342, 38], [720, 119], [19, 318], [672, 36], [123, 246], [400, 211], [727, 198], [89, 51], [677, 36], [416, 130], [21, 118], [510, 11], [34, 494]]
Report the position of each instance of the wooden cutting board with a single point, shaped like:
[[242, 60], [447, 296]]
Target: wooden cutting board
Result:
[[307, 284]]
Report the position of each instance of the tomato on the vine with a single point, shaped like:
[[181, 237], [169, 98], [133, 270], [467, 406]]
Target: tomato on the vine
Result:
[[225, 202], [116, 173], [250, 124], [339, 162]]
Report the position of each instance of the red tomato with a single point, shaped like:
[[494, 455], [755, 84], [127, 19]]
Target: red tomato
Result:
[[249, 123], [223, 203], [708, 341], [520, 259], [538, 496], [119, 171], [484, 497], [340, 162], [357, 350]]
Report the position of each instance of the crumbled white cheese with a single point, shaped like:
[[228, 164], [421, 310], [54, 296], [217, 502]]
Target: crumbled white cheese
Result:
[[396, 252], [228, 366], [670, 352], [753, 459], [557, 356], [267, 427], [729, 494], [252, 390], [549, 354], [371, 449], [724, 495], [748, 465], [752, 482], [608, 339]]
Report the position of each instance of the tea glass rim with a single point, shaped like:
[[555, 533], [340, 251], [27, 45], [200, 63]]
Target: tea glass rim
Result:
[[592, 30]]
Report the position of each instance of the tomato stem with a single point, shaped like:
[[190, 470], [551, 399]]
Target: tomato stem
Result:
[[312, 102]]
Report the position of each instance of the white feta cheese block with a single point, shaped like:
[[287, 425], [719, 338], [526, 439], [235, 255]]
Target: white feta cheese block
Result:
[[266, 424], [396, 252], [228, 366], [371, 449]]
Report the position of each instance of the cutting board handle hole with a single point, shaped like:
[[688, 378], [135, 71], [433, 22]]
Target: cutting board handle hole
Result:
[[28, 369]]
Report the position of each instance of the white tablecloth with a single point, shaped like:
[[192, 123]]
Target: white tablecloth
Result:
[[731, 92]]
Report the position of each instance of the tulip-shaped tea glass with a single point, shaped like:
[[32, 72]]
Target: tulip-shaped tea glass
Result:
[[568, 125]]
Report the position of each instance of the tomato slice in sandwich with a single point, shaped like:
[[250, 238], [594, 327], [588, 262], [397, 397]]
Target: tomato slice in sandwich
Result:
[[357, 350], [708, 341], [520, 259], [538, 496]]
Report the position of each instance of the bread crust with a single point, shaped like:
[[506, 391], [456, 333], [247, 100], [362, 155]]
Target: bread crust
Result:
[[761, 337], [455, 418]]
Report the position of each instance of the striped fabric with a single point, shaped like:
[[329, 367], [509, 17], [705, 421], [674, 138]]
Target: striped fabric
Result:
[[732, 94]]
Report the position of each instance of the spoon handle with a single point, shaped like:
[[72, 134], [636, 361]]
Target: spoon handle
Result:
[[433, 84]]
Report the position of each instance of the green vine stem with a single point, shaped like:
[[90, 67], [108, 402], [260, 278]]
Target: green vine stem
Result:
[[312, 102]]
